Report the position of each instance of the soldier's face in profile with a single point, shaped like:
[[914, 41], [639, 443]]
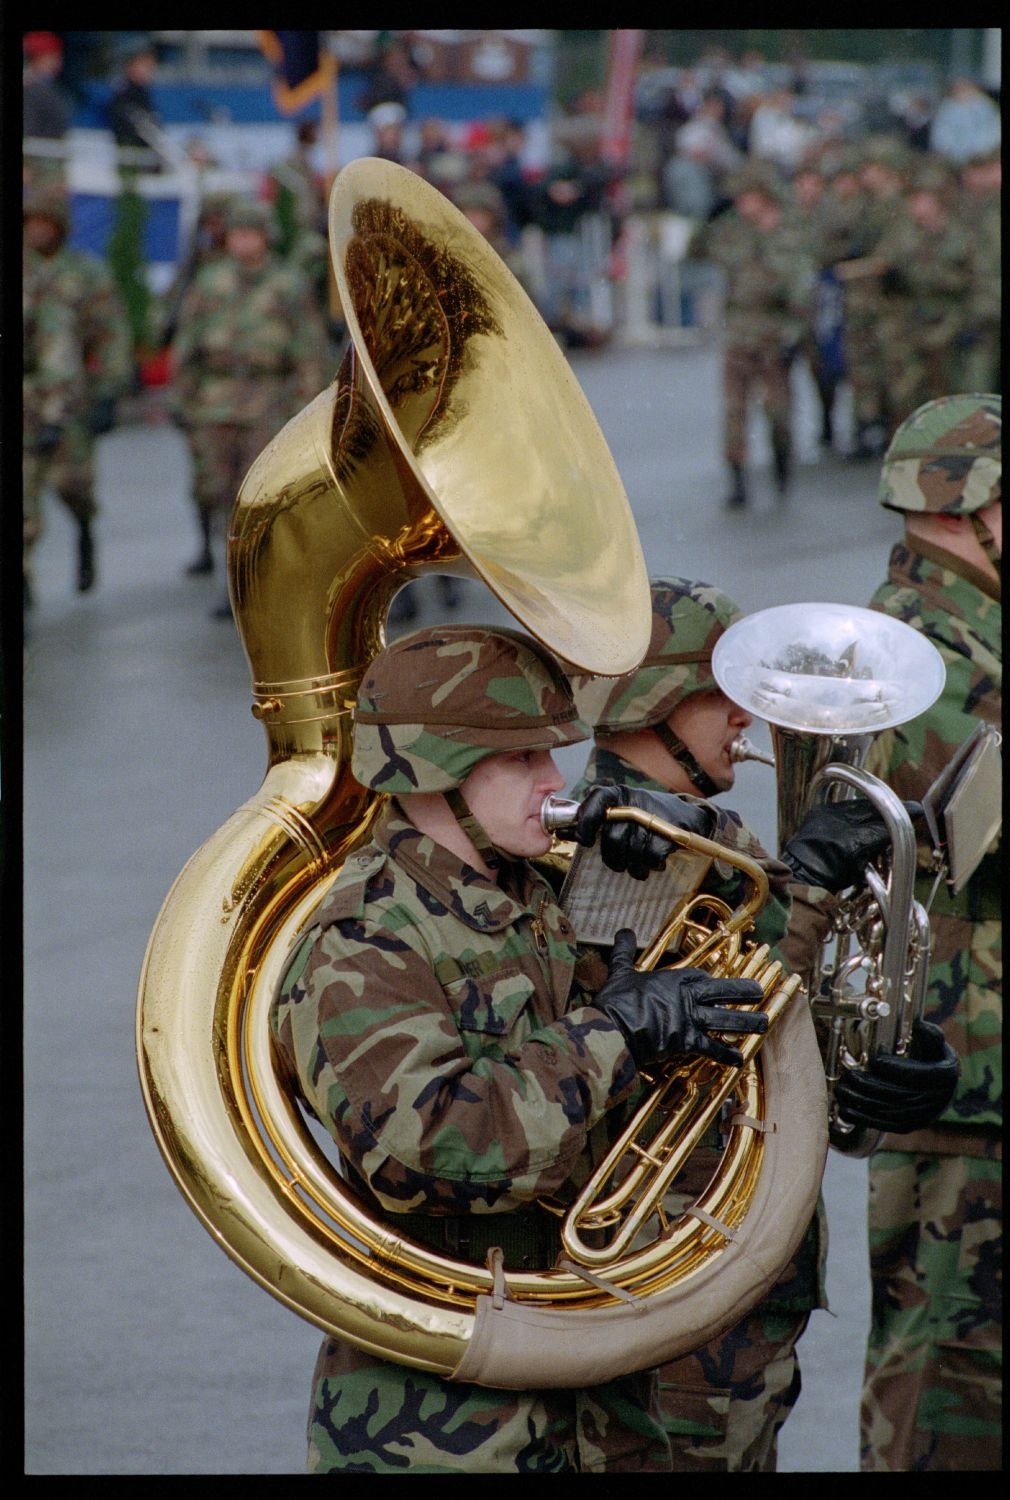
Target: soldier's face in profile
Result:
[[708, 723], [247, 244], [41, 233], [504, 793]]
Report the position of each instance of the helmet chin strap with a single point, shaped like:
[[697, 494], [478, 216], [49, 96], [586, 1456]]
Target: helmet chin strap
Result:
[[987, 542], [700, 780], [473, 829]]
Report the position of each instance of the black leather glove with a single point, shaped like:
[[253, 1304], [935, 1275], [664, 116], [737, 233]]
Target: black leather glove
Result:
[[628, 846], [661, 1011], [836, 841], [102, 416], [47, 439], [902, 1093]]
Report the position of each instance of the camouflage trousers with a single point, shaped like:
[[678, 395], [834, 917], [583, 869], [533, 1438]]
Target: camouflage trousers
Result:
[[369, 1416], [222, 454], [761, 372], [933, 1381], [69, 470], [867, 372], [724, 1405], [917, 369]]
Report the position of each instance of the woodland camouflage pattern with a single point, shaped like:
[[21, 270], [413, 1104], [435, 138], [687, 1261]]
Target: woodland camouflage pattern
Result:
[[724, 1404], [439, 1025], [946, 457], [438, 701], [932, 1396], [688, 618], [248, 354], [75, 290]]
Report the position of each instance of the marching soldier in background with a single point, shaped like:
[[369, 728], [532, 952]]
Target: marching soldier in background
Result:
[[883, 175], [979, 208], [770, 276], [932, 1393], [249, 353], [52, 389], [55, 273], [823, 343], [668, 727], [209, 237], [925, 265]]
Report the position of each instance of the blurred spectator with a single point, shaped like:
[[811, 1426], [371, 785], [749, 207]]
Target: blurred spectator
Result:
[[508, 173], [568, 204], [47, 107], [386, 121], [776, 135], [132, 117], [482, 203], [917, 121], [967, 123], [391, 82], [704, 155], [433, 142]]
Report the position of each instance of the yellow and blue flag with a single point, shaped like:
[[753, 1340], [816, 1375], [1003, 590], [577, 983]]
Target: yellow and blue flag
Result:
[[303, 68]]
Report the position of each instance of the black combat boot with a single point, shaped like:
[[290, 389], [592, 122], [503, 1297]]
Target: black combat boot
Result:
[[203, 562], [85, 557], [782, 459], [737, 496]]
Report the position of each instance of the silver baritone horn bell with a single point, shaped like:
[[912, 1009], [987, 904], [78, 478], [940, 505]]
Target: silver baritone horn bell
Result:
[[828, 678]]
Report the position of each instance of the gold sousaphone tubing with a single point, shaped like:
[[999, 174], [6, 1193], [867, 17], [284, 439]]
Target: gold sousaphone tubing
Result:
[[691, 1094], [453, 437]]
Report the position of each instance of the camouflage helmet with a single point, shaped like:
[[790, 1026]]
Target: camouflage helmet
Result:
[[758, 177], [436, 702], [945, 457], [47, 200], [248, 213], [932, 176], [688, 617]]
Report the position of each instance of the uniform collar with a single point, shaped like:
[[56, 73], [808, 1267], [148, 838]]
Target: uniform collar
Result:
[[477, 901], [949, 567]]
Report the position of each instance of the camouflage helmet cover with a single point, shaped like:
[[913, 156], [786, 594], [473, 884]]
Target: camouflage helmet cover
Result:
[[945, 458], [758, 177], [248, 213], [688, 617], [436, 702], [47, 200]]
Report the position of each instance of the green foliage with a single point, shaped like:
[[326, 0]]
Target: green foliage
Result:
[[126, 258]]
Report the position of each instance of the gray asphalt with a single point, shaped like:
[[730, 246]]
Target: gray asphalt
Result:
[[147, 1351]]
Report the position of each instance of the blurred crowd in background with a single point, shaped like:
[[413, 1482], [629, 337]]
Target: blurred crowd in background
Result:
[[785, 209]]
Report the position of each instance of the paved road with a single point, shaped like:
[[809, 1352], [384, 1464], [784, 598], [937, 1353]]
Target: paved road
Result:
[[147, 1351]]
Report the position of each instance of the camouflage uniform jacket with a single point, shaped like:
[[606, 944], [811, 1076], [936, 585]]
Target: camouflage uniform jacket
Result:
[[930, 277], [85, 284], [437, 1025], [801, 1286], [250, 344], [53, 362], [770, 278], [958, 609]]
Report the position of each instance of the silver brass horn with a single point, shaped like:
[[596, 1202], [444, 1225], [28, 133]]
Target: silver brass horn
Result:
[[829, 678]]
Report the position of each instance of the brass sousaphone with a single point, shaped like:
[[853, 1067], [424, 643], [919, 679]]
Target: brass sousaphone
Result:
[[454, 437]]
